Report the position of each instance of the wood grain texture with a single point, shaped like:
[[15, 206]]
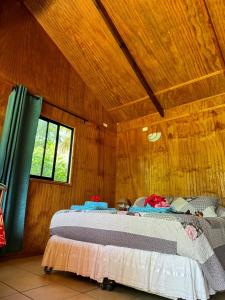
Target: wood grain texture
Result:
[[200, 89], [217, 13], [89, 46], [171, 40], [133, 110], [187, 160], [94, 170], [206, 87], [181, 111], [29, 57], [5, 89], [174, 43]]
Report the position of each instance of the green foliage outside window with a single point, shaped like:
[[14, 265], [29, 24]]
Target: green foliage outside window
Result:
[[52, 151]]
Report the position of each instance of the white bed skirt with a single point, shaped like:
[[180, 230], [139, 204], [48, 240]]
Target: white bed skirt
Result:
[[166, 275]]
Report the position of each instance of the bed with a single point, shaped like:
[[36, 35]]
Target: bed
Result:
[[172, 255]]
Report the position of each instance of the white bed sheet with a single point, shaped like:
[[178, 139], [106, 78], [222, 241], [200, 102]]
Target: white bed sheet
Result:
[[167, 275]]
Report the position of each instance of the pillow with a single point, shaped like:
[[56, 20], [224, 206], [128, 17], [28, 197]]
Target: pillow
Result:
[[182, 205], [207, 205], [209, 212], [140, 201], [170, 199], [220, 211]]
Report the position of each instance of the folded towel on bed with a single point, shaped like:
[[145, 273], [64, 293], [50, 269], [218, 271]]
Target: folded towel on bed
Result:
[[100, 205], [90, 205], [81, 207], [150, 209]]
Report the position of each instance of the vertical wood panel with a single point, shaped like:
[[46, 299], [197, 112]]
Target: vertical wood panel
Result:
[[5, 89], [93, 173], [189, 159], [29, 57]]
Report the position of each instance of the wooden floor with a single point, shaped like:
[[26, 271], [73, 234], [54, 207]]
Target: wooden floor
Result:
[[23, 279]]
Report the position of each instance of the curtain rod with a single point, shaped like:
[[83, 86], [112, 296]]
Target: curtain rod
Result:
[[66, 111], [56, 106]]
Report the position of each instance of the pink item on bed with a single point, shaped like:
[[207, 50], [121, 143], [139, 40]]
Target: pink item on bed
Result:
[[191, 232], [162, 204]]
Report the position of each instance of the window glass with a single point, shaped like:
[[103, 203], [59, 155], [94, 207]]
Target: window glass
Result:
[[52, 151], [63, 154], [39, 148]]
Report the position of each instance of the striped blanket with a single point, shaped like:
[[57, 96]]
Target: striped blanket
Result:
[[202, 239]]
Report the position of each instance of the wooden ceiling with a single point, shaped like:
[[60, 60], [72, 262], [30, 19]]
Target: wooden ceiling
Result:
[[178, 45]]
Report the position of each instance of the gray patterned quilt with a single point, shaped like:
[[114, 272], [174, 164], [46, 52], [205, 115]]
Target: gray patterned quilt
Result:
[[202, 239]]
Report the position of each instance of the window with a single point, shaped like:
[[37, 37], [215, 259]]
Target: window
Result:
[[52, 151]]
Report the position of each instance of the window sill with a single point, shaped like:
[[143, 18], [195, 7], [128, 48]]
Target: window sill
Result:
[[50, 182]]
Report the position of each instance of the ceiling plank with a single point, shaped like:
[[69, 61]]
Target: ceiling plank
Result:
[[129, 56], [172, 41], [81, 34], [136, 110], [181, 111], [173, 44], [128, 104], [216, 41], [216, 11], [207, 87]]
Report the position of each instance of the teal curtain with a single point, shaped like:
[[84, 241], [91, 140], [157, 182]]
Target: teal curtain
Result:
[[16, 148]]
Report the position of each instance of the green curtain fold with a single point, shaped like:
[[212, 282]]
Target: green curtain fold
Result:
[[16, 148]]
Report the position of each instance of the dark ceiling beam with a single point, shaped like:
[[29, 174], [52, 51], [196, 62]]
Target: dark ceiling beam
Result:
[[129, 56]]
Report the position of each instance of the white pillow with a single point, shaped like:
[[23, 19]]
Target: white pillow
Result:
[[209, 212], [140, 201], [207, 205], [220, 211]]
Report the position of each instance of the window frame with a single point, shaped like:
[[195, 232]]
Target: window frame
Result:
[[51, 179]]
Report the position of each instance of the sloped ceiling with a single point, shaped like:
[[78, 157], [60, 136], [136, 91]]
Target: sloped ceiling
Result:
[[178, 45]]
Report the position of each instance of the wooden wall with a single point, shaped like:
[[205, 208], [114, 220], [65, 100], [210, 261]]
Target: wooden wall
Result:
[[29, 57], [189, 159], [5, 89], [94, 163]]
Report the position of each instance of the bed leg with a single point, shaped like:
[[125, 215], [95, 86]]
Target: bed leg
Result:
[[107, 284], [47, 270]]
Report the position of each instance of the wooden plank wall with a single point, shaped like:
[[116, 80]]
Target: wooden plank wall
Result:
[[28, 56], [5, 89], [189, 159], [94, 163]]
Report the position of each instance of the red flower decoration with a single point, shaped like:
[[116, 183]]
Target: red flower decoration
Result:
[[95, 198], [156, 201]]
